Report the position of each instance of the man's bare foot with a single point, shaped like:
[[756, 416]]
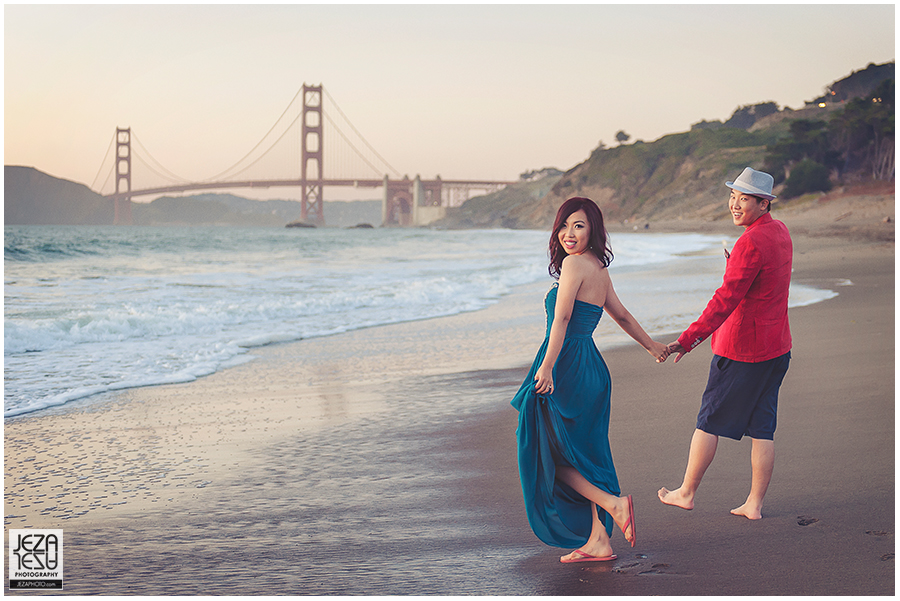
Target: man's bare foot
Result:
[[751, 512], [676, 498]]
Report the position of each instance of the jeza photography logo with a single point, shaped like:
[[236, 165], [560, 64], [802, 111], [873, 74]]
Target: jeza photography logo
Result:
[[35, 559]]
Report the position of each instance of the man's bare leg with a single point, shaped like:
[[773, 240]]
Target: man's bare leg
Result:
[[762, 460], [703, 450]]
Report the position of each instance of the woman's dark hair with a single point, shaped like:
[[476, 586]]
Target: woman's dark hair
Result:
[[598, 242]]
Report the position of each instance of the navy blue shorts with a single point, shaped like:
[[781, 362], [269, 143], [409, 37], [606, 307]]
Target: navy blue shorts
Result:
[[742, 398]]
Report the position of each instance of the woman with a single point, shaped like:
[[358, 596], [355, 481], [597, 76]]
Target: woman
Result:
[[565, 464]]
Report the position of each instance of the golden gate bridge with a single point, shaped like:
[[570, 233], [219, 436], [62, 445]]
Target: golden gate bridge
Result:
[[293, 147]]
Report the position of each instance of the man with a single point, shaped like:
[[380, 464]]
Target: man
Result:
[[751, 342]]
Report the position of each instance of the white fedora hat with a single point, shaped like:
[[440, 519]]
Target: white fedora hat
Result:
[[757, 183]]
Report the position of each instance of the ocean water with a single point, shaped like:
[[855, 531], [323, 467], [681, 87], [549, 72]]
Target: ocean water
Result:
[[94, 309]]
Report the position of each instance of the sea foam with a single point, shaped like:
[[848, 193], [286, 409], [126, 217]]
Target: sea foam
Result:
[[97, 309]]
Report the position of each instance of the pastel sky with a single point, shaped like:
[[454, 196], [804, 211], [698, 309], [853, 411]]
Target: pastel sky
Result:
[[465, 91]]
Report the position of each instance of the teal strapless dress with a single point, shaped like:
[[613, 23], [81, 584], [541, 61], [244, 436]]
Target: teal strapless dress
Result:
[[570, 427]]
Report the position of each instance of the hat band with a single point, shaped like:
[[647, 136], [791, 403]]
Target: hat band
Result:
[[747, 189]]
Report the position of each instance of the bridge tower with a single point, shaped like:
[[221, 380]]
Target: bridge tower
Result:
[[122, 199], [312, 208]]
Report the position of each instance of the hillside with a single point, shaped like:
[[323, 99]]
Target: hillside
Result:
[[679, 174], [231, 210], [496, 209], [675, 178], [31, 197]]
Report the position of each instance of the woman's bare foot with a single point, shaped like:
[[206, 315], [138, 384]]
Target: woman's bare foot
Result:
[[620, 515], [749, 511], [593, 548], [678, 498]]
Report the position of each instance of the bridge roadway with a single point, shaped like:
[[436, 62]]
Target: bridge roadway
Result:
[[355, 183], [405, 202]]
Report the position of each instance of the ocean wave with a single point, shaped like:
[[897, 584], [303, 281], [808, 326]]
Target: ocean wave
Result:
[[150, 306]]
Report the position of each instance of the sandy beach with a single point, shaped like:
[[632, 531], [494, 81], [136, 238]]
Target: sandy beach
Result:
[[304, 477]]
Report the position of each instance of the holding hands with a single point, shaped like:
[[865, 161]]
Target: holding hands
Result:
[[662, 351], [543, 379], [659, 351], [676, 348]]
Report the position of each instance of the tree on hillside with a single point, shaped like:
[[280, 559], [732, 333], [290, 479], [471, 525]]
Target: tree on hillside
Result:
[[808, 140], [807, 176], [857, 142], [622, 137], [863, 133]]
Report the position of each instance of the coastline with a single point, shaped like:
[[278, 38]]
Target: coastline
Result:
[[162, 476]]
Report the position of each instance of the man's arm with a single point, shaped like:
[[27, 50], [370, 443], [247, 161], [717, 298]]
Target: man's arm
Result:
[[742, 268]]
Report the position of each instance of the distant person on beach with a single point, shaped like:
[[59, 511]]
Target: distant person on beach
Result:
[[565, 463], [751, 343]]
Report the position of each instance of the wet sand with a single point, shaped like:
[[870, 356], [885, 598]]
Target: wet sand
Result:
[[320, 469]]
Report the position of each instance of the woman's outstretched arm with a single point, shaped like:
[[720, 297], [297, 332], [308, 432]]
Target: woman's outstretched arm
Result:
[[630, 325]]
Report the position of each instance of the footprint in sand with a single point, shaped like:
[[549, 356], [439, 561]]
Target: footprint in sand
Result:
[[805, 520], [640, 567]]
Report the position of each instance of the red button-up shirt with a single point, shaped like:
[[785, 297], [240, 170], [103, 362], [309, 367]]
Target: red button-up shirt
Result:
[[748, 314]]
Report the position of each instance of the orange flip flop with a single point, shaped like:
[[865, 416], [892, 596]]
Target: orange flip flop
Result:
[[630, 522], [586, 557]]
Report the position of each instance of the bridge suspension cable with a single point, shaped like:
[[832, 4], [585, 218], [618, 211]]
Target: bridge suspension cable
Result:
[[112, 141], [359, 154], [356, 131], [348, 154], [168, 174], [263, 139], [260, 157]]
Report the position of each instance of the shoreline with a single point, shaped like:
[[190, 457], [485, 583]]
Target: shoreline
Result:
[[183, 473]]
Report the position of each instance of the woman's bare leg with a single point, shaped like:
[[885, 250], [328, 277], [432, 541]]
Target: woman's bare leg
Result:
[[598, 544], [615, 506]]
